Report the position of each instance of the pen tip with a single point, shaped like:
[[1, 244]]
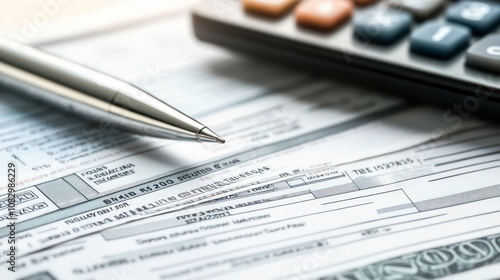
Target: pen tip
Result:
[[206, 135]]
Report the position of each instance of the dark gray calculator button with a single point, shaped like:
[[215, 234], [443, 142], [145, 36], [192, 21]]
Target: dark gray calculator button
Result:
[[485, 54], [420, 9]]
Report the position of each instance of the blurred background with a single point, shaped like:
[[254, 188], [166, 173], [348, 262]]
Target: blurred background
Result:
[[43, 21]]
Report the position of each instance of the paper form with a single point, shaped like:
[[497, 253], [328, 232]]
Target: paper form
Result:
[[422, 213], [77, 179], [74, 176]]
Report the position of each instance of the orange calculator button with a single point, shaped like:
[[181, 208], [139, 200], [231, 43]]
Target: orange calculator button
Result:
[[323, 14], [272, 8]]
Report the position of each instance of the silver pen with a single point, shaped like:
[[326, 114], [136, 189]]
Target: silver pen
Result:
[[94, 95]]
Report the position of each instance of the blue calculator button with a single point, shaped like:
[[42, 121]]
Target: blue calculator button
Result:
[[480, 16], [439, 39], [382, 26]]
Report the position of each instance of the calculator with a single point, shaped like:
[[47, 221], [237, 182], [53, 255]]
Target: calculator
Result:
[[442, 51]]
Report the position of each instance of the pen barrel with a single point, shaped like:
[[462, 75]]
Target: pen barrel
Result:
[[58, 70], [87, 92]]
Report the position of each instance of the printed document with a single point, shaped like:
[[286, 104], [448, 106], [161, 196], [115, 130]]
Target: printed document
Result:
[[318, 179]]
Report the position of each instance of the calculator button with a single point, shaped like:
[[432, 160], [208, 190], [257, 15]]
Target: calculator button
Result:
[[382, 26], [481, 17], [272, 8], [363, 2], [485, 54], [323, 14], [440, 39], [420, 9]]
